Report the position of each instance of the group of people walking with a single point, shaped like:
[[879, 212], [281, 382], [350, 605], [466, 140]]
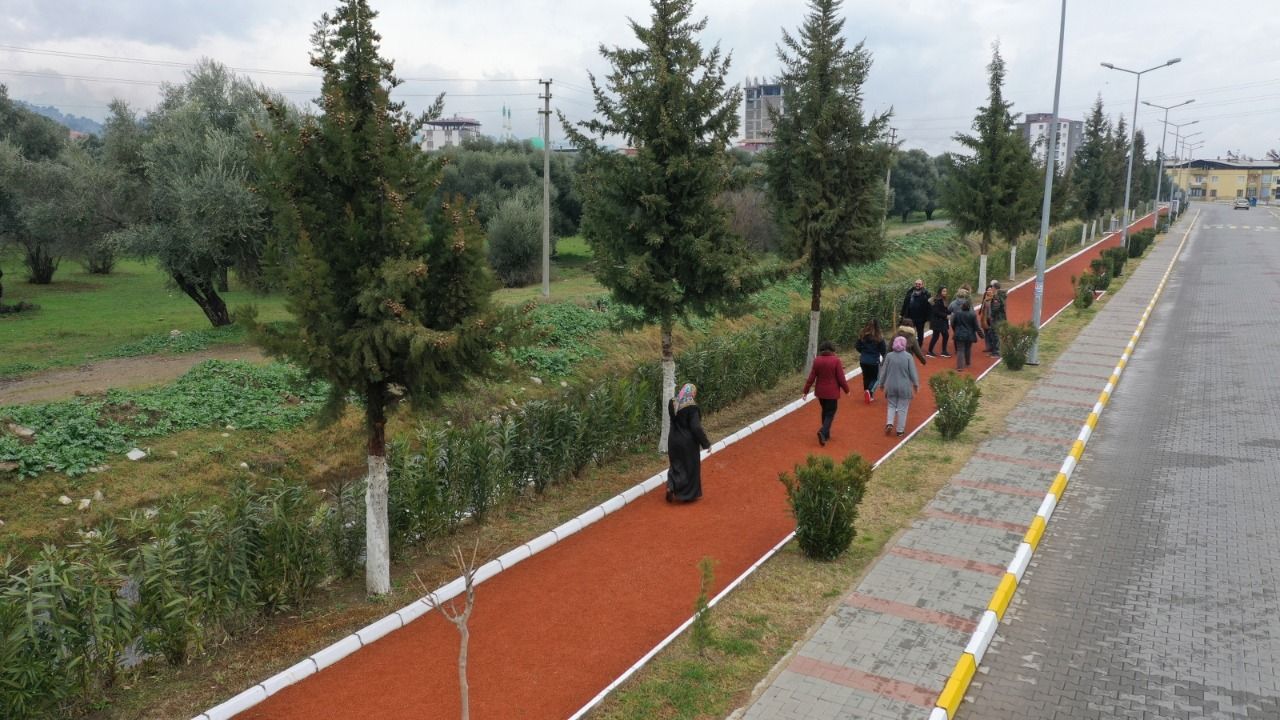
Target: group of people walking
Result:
[[888, 364]]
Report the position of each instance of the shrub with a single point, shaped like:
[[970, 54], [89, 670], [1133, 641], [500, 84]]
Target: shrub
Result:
[[515, 241], [824, 500], [1140, 241], [1084, 288], [1116, 258], [1015, 343], [1101, 269], [956, 396]]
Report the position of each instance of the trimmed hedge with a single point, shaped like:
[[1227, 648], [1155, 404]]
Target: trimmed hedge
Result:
[[824, 500], [956, 396]]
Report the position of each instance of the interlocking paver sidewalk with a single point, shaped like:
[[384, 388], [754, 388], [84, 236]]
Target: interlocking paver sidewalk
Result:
[[1155, 592], [888, 646]]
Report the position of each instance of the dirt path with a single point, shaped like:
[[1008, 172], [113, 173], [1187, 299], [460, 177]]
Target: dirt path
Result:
[[53, 385], [551, 632]]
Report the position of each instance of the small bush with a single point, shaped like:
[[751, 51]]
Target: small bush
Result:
[[824, 500], [515, 241], [1116, 258], [1015, 343], [700, 632], [1140, 241], [1085, 286], [1101, 269], [957, 398]]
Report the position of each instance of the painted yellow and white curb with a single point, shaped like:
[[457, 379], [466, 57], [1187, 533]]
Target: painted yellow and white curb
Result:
[[958, 683]]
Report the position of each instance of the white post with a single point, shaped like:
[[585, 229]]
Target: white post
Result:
[[546, 190]]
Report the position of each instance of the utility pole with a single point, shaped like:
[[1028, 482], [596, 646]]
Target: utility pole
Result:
[[888, 176], [545, 112]]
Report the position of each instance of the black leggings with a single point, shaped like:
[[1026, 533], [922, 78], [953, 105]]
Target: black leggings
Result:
[[944, 332], [870, 373]]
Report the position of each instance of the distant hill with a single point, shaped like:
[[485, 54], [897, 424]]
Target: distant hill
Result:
[[73, 122]]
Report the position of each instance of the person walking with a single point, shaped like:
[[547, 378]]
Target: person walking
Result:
[[907, 331], [962, 294], [916, 307], [993, 313], [684, 479], [939, 319], [826, 377], [965, 324], [871, 350], [901, 381]]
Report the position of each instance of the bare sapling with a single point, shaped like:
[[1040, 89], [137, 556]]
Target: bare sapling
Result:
[[460, 618]]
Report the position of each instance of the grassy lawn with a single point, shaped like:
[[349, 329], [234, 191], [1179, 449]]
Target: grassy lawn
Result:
[[82, 316]]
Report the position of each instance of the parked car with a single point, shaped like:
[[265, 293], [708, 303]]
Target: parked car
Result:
[[1240, 204]]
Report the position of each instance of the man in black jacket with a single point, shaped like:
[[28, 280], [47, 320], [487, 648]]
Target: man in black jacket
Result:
[[915, 306]]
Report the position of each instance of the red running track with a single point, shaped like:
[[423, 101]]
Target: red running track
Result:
[[552, 632]]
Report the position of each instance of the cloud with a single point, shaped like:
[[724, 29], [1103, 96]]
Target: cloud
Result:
[[930, 56]]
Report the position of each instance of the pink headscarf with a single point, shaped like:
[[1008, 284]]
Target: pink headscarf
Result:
[[899, 344]]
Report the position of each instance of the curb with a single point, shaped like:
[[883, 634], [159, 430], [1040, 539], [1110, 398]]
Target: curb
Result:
[[407, 614], [967, 666]]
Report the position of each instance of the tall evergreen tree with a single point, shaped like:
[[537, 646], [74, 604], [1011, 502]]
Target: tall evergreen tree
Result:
[[661, 242], [377, 301], [1118, 165], [1144, 178], [1090, 173], [1021, 213], [984, 186], [827, 162]]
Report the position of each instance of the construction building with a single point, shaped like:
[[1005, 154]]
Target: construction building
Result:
[[757, 123], [1035, 130], [448, 132]]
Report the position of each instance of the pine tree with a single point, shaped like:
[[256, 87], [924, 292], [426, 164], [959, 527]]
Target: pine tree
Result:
[[1117, 166], [1026, 184], [661, 242], [827, 164], [1090, 173], [985, 187], [377, 301]]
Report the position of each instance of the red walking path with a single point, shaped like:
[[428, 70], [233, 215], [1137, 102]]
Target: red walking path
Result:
[[552, 632]]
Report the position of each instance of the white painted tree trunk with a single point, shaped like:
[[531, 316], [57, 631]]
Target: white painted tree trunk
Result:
[[668, 392], [1083, 230], [982, 275], [377, 549], [1013, 262], [815, 319]]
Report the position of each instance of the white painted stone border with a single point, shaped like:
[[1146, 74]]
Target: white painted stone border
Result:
[[416, 609]]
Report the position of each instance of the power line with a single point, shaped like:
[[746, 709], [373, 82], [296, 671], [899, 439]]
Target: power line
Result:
[[260, 71]]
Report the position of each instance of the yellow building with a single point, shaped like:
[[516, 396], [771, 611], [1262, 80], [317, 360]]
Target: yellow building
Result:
[[1227, 179]]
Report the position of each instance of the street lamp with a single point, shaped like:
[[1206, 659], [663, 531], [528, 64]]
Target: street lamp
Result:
[[1188, 137], [1133, 134], [1050, 161], [1163, 136], [1177, 137]]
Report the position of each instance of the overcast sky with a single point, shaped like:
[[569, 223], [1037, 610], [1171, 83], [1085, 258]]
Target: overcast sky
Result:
[[929, 55]]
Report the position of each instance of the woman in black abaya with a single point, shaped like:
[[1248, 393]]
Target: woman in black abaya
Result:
[[684, 479]]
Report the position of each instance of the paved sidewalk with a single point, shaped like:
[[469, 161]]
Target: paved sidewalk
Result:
[[1155, 592], [888, 647]]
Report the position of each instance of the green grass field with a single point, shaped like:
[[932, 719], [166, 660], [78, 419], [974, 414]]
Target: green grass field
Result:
[[82, 316]]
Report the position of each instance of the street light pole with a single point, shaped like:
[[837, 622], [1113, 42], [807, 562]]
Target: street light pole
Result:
[[1160, 163], [1133, 135], [1050, 165], [1177, 144]]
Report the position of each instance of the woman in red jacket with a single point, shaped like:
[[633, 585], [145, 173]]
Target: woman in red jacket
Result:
[[827, 380]]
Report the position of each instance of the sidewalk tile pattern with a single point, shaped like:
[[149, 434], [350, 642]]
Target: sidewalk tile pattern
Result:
[[968, 520]]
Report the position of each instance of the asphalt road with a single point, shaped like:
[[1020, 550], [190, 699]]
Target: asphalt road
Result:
[[1156, 591]]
